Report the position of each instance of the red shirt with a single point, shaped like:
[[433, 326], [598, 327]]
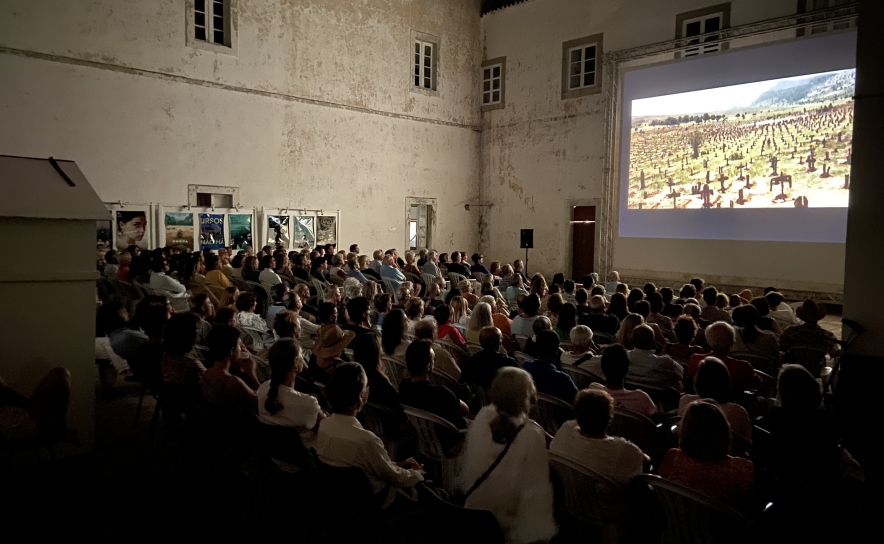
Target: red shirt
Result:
[[448, 330], [742, 373]]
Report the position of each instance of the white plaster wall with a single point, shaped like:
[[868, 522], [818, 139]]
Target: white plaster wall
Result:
[[540, 151], [314, 110]]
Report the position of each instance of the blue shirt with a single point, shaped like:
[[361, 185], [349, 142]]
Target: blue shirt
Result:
[[353, 273], [479, 267], [551, 381], [392, 273]]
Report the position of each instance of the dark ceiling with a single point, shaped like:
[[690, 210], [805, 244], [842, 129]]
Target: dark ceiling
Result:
[[493, 5]]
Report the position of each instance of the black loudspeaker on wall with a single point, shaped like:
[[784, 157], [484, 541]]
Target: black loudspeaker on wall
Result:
[[527, 239]]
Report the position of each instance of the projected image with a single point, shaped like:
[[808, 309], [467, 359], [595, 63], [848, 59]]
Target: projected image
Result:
[[770, 144]]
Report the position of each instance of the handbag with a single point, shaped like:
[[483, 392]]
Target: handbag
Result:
[[460, 500]]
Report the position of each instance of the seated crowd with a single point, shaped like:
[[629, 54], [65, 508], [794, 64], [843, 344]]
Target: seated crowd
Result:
[[310, 340]]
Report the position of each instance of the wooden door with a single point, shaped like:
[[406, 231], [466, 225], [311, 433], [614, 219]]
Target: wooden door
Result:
[[583, 236]]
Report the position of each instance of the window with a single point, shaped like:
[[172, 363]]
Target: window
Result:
[[425, 65], [581, 66], [493, 82], [208, 196], [816, 5], [699, 22], [212, 25]]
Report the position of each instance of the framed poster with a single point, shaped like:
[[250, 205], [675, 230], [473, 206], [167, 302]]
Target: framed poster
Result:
[[240, 227], [104, 236], [131, 226], [212, 230], [277, 230], [326, 230], [304, 235], [178, 228]]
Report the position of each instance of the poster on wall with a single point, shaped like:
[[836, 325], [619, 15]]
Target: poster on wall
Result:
[[179, 229], [131, 228], [305, 233], [327, 230], [211, 231], [103, 236], [240, 225], [278, 230]]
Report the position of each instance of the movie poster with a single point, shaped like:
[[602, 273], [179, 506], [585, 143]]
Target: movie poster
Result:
[[240, 230], [179, 229], [131, 228], [103, 236], [211, 231], [305, 233], [278, 230], [327, 230]]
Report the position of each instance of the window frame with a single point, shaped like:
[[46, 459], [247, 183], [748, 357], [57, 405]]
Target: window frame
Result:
[[596, 40], [436, 43], [825, 26], [501, 102], [703, 14], [231, 10]]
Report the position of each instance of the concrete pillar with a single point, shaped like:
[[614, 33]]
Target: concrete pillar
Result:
[[864, 259]]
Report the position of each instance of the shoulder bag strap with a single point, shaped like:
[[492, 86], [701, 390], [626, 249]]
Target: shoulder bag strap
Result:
[[496, 462]]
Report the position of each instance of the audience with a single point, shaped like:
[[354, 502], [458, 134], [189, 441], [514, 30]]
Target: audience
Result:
[[417, 391], [627, 325], [479, 319], [585, 440], [810, 334], [481, 367], [545, 369], [618, 307], [713, 382], [518, 491], [426, 330], [720, 337], [711, 312], [615, 367], [597, 319], [646, 366], [445, 330], [357, 317], [685, 331], [566, 321], [751, 338], [367, 352], [523, 323], [582, 347], [328, 349], [178, 364], [220, 387]]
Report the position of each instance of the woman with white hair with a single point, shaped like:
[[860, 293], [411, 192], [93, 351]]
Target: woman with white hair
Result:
[[352, 289], [582, 346], [479, 319], [505, 463]]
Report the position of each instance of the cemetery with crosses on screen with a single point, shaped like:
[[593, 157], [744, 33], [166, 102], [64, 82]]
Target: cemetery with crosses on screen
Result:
[[790, 147]]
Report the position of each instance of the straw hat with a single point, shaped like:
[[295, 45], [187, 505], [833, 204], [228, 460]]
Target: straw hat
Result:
[[810, 311], [332, 341]]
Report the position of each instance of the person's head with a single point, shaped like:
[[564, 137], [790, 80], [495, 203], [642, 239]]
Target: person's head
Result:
[[328, 313], [617, 306], [649, 288], [554, 303], [357, 310], [688, 291], [266, 262], [685, 329], [303, 291], [593, 410], [490, 338], [495, 268], [224, 315], [555, 288], [810, 312], [459, 308], [354, 248], [455, 257], [713, 381], [287, 324], [361, 262], [568, 286], [581, 296], [698, 284], [581, 338], [666, 294], [409, 257], [704, 435], [367, 352], [655, 302], [202, 306], [721, 301], [597, 304], [212, 262], [517, 281], [518, 265], [624, 333], [278, 291], [760, 304], [643, 337], [443, 258], [542, 323], [615, 364], [558, 278], [710, 294], [286, 362], [797, 389], [720, 337], [481, 317], [635, 295], [425, 329], [223, 343], [419, 358], [512, 393], [319, 264], [111, 257], [734, 301], [383, 303], [180, 333], [246, 302], [567, 317], [465, 287], [442, 314], [614, 276], [691, 310], [131, 226], [250, 264], [414, 308], [531, 305], [478, 258], [745, 316], [538, 286], [370, 290], [622, 288], [769, 289], [393, 330], [347, 389], [547, 345], [597, 290], [642, 308], [433, 291], [159, 264]]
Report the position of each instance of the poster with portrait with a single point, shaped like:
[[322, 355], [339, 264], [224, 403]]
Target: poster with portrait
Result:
[[179, 229], [131, 227], [326, 230], [240, 226], [211, 231], [305, 232], [278, 230]]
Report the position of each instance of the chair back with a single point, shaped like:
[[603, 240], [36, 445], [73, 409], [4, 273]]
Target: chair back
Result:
[[284, 444], [480, 277], [335, 279], [473, 348], [587, 495], [256, 336], [521, 357], [143, 290], [602, 339], [257, 287], [694, 518], [455, 279], [666, 398], [412, 277], [550, 413], [566, 346], [200, 352], [425, 424], [396, 370], [810, 357], [219, 292], [346, 487], [440, 377], [429, 279], [634, 427], [389, 287], [320, 289], [582, 377], [452, 349], [766, 364], [376, 418], [521, 339]]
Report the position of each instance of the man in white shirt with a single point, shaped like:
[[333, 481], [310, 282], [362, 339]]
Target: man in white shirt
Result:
[[170, 287], [781, 312], [432, 267], [343, 442], [648, 367], [585, 440], [615, 367], [376, 264], [292, 302], [523, 324]]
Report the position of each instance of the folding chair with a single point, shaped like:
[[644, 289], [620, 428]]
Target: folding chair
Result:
[[473, 348], [429, 444], [396, 370], [521, 339], [550, 413], [321, 289], [522, 357], [602, 339], [634, 427], [439, 377], [582, 377], [455, 279], [766, 364], [666, 398], [810, 357]]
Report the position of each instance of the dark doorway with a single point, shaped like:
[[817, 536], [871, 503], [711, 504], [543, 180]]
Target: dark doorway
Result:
[[583, 236]]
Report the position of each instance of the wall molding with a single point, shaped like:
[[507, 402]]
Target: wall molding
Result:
[[163, 76]]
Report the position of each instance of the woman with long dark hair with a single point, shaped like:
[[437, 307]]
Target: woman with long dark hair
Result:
[[750, 337], [618, 306], [367, 352], [567, 321], [634, 296], [393, 334]]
